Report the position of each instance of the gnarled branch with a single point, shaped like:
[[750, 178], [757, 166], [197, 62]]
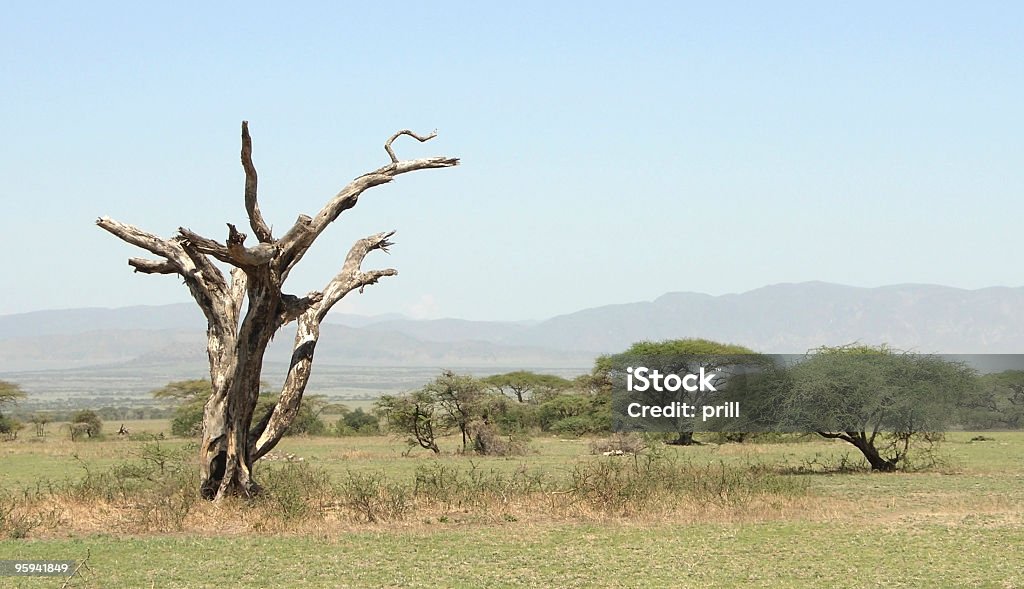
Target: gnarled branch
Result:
[[269, 430], [137, 237], [206, 245], [367, 278], [421, 139], [298, 239], [204, 280], [209, 271], [235, 252], [153, 266], [252, 207], [351, 275], [258, 255]]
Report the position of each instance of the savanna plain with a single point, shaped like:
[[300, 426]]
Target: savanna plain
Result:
[[368, 511]]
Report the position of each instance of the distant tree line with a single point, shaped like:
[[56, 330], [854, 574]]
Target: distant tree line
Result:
[[188, 399], [890, 405], [882, 401]]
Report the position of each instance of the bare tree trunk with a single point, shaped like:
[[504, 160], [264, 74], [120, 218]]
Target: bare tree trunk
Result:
[[684, 438], [866, 444], [236, 345]]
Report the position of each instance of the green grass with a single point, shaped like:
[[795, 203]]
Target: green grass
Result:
[[627, 554], [958, 525]]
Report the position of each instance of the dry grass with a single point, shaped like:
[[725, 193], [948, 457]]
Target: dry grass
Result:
[[327, 511], [341, 486], [137, 498]]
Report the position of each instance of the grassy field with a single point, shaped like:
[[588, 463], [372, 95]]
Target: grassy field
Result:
[[524, 520]]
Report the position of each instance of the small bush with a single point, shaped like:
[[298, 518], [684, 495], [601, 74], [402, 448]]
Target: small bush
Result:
[[188, 420], [488, 442], [634, 485], [295, 490], [168, 502], [760, 438], [372, 498], [578, 425], [87, 422], [820, 463], [357, 422], [18, 518], [9, 428]]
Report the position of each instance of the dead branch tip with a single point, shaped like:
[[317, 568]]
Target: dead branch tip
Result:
[[420, 138]]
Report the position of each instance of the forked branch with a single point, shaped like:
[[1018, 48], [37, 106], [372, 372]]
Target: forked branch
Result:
[[301, 236], [372, 276], [351, 275], [309, 312], [293, 306], [235, 252]]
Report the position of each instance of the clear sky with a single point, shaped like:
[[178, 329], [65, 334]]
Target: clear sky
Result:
[[611, 153]]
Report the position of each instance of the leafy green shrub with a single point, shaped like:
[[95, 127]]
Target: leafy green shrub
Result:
[[578, 425], [188, 419], [306, 422], [357, 422], [10, 427], [576, 414], [516, 417], [87, 422]]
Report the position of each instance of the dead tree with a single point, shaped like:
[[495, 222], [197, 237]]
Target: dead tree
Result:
[[236, 342]]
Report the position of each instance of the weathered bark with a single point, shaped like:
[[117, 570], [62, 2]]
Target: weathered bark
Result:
[[236, 345]]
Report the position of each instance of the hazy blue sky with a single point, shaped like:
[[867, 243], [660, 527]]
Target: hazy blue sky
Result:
[[610, 153]]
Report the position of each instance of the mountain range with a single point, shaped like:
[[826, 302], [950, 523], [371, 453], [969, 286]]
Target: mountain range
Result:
[[169, 340]]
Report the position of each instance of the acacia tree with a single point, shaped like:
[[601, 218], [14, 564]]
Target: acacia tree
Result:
[[880, 400], [413, 414], [681, 357], [9, 394], [237, 341], [526, 386], [86, 421]]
